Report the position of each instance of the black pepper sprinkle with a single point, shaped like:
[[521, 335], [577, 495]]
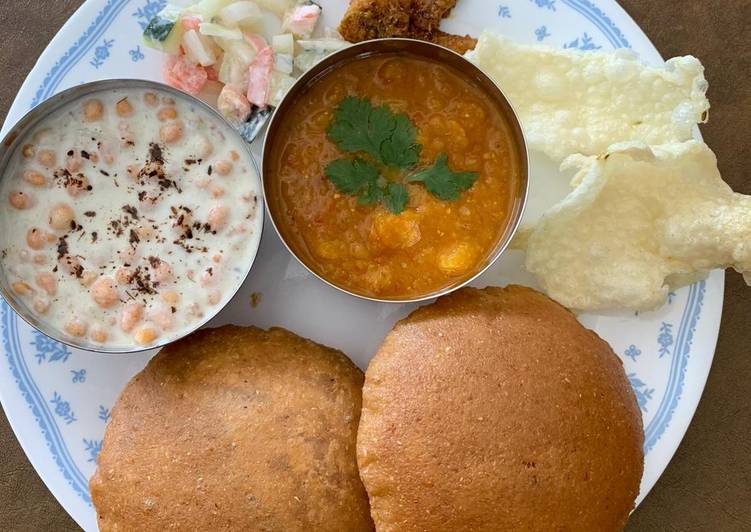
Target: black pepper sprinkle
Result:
[[173, 309], [90, 214], [143, 282], [85, 154], [155, 153], [70, 153], [62, 246], [130, 209], [94, 236], [104, 173], [116, 227], [133, 238], [210, 170]]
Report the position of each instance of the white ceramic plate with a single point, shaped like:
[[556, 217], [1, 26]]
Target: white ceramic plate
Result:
[[58, 399]]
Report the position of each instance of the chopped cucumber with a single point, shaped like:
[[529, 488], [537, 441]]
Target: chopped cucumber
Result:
[[268, 25], [283, 44], [239, 13], [280, 84], [324, 46], [215, 30], [278, 7], [208, 9], [196, 50], [284, 63], [244, 52], [234, 72], [164, 32], [305, 60]]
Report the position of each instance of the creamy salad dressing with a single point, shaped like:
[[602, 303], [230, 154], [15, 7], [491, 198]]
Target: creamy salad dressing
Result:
[[129, 217]]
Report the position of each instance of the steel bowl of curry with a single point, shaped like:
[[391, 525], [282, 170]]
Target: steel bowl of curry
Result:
[[395, 170]]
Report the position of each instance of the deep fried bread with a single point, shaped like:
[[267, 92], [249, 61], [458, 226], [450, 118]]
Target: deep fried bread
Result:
[[235, 429], [496, 410]]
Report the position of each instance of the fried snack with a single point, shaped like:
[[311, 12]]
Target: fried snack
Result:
[[572, 102], [640, 221], [235, 429], [417, 19], [495, 410]]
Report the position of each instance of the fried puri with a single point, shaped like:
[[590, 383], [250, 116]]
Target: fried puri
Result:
[[235, 429], [417, 19], [496, 410]]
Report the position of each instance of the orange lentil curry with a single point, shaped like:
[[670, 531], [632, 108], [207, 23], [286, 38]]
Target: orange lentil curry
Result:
[[432, 244]]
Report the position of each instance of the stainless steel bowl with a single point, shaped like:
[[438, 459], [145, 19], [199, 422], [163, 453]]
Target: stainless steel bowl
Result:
[[12, 142], [414, 48]]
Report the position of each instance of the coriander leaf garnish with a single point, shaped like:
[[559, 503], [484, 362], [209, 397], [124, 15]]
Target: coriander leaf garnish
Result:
[[388, 137], [351, 176], [396, 197], [358, 177], [442, 182], [373, 193], [401, 149], [390, 140]]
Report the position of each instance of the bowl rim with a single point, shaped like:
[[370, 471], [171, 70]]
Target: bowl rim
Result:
[[387, 45], [10, 143]]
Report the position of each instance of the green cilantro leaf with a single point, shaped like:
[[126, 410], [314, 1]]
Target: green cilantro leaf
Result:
[[358, 177], [352, 176], [401, 149], [442, 182], [388, 137], [396, 197], [391, 140], [372, 194]]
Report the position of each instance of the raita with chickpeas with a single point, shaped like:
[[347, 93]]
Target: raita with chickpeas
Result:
[[131, 216], [393, 176]]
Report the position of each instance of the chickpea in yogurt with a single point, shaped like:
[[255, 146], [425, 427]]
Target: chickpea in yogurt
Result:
[[130, 216]]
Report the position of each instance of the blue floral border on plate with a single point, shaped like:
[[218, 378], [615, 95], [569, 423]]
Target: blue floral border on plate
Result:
[[41, 411], [664, 414], [595, 15], [75, 53], [39, 408]]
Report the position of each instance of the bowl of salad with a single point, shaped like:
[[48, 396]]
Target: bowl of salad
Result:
[[243, 55]]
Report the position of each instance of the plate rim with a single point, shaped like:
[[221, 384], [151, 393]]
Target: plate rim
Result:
[[93, 15]]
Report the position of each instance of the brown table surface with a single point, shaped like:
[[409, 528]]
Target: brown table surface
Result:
[[707, 486]]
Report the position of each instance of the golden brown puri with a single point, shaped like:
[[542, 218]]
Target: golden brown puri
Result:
[[494, 410], [235, 429], [417, 19]]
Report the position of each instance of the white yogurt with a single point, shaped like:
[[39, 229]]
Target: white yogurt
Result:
[[129, 217]]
